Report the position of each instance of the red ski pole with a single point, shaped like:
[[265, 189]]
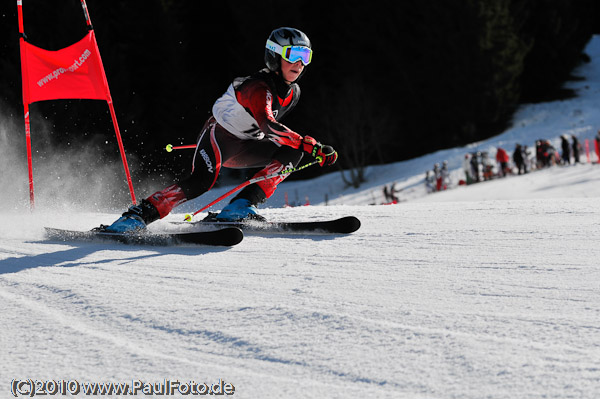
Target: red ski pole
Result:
[[188, 217], [171, 147]]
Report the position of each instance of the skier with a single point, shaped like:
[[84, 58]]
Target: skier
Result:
[[244, 132]]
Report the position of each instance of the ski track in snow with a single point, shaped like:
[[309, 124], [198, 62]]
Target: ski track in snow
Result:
[[454, 299]]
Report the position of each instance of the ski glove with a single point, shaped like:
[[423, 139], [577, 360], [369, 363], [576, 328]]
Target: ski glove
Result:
[[325, 154]]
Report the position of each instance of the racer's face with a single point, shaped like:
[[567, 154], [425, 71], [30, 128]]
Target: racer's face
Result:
[[291, 71]]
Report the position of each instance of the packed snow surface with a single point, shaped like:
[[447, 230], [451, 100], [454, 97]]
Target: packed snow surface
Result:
[[457, 299], [485, 291]]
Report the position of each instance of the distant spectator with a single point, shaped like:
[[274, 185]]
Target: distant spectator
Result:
[[390, 193], [445, 174], [467, 169], [386, 193], [393, 192], [502, 158], [430, 181], [437, 172], [488, 166], [566, 150], [527, 159], [538, 154], [545, 154], [518, 159], [475, 166], [576, 149]]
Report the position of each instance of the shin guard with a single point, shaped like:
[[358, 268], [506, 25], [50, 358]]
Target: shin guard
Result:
[[164, 201], [270, 185]]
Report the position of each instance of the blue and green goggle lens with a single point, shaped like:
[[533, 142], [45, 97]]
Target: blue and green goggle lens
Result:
[[291, 53]]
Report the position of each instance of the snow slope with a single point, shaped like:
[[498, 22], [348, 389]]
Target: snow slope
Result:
[[493, 299], [490, 290]]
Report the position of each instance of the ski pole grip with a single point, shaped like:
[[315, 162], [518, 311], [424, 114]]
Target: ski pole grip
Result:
[[169, 147]]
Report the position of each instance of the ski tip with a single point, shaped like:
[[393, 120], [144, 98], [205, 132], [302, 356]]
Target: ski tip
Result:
[[348, 224], [230, 236], [224, 237]]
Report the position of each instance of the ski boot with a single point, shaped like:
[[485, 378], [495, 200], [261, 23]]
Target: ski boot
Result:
[[238, 210], [134, 219]]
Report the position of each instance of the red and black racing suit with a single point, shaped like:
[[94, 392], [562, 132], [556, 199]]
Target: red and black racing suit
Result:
[[244, 132]]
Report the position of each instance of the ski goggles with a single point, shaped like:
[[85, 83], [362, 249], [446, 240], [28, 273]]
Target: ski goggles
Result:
[[291, 53]]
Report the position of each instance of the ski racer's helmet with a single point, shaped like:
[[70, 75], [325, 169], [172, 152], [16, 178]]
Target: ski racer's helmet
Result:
[[289, 44]]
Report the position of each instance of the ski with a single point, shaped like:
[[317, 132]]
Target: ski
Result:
[[344, 225], [227, 236]]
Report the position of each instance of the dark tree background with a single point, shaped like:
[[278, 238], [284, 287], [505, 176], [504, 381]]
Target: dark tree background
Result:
[[390, 79]]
